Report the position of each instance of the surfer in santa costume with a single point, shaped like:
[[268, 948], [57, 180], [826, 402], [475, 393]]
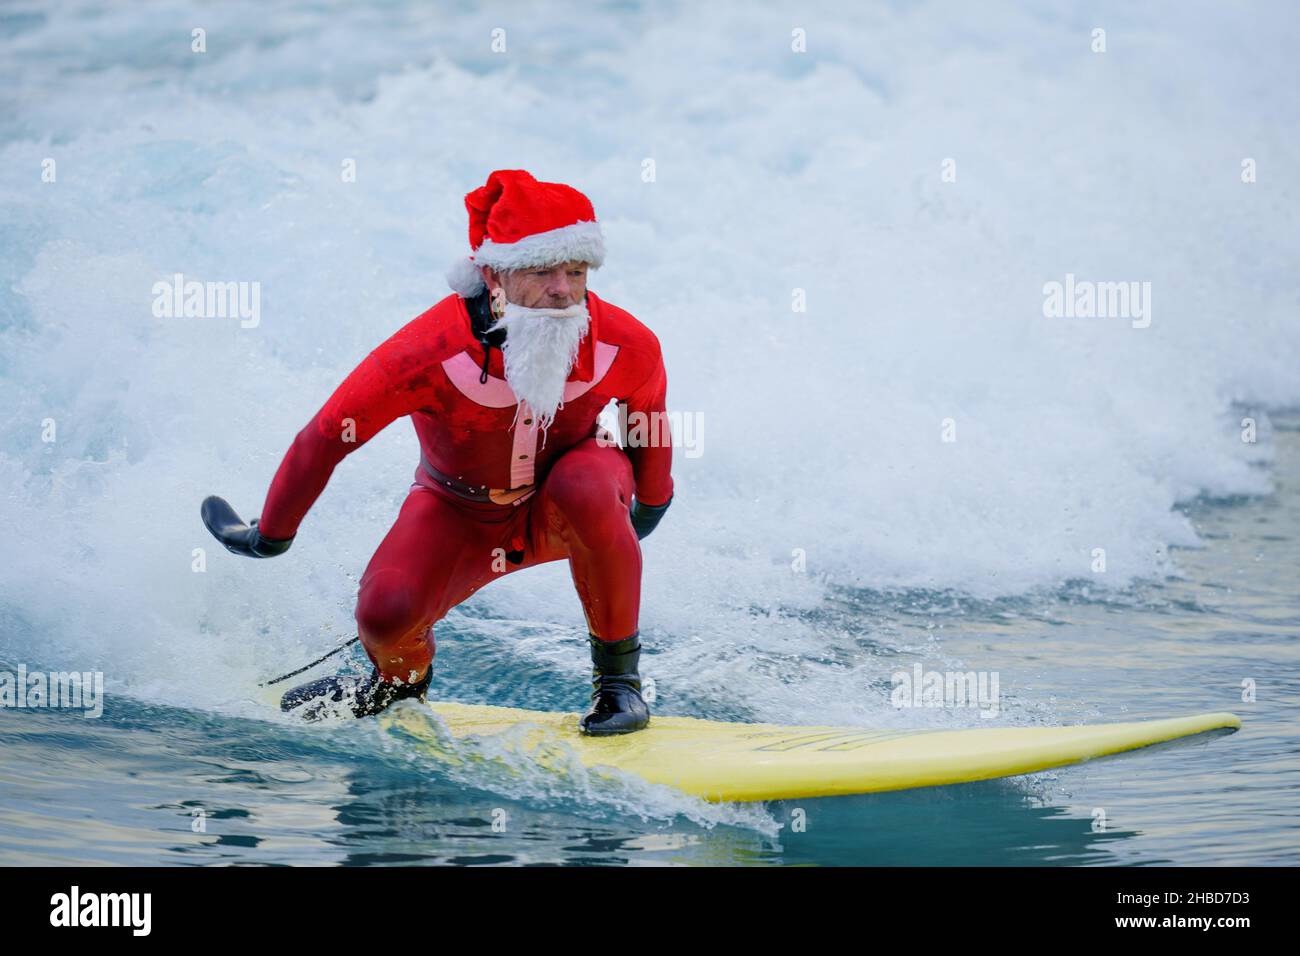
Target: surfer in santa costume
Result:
[[503, 381]]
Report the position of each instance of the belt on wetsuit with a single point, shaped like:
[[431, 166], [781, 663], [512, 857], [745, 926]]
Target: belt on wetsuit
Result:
[[463, 490], [496, 496]]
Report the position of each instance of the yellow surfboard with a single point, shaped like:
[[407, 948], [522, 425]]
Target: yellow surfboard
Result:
[[726, 761]]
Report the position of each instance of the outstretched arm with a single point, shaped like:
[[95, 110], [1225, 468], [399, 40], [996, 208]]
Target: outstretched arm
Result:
[[362, 406]]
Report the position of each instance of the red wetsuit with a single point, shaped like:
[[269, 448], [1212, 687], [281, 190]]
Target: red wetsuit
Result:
[[493, 493]]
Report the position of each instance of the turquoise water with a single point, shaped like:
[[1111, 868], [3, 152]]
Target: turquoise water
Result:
[[823, 537]]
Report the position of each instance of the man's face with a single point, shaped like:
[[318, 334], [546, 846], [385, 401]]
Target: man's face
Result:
[[540, 346], [541, 287]]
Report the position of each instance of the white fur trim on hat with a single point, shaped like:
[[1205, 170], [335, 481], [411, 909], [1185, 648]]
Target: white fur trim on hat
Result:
[[581, 241], [465, 279]]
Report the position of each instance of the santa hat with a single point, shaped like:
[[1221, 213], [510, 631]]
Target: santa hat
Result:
[[517, 222]]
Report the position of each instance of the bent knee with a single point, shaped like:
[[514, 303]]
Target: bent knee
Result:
[[388, 608], [591, 505]]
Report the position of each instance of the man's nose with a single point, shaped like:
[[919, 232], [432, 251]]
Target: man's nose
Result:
[[559, 288]]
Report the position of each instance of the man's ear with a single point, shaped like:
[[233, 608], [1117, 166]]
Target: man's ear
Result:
[[496, 290]]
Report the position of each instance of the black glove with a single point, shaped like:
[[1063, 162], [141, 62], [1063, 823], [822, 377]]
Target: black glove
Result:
[[239, 538], [645, 517]]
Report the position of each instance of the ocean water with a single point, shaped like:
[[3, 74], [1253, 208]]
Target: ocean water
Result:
[[821, 442]]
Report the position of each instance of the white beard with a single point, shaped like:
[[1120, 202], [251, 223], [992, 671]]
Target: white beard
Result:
[[540, 349]]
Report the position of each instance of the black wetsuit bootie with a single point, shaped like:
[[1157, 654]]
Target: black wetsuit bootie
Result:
[[344, 695], [616, 703]]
